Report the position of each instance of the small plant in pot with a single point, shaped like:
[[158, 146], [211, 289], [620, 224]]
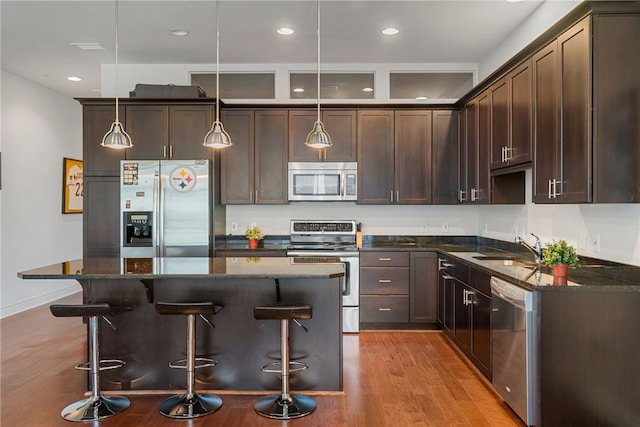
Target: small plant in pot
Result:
[[560, 256], [254, 234]]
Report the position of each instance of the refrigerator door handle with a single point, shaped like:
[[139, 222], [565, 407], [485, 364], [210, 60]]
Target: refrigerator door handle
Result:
[[156, 225], [160, 250]]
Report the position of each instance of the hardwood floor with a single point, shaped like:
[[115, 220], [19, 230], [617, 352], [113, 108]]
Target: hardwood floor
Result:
[[391, 378]]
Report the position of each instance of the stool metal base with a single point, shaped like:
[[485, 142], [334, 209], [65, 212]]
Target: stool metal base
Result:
[[277, 407], [190, 406], [95, 408]]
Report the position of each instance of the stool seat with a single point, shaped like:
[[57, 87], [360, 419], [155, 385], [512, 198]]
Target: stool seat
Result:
[[186, 308], [97, 406], [191, 404], [284, 406], [282, 312]]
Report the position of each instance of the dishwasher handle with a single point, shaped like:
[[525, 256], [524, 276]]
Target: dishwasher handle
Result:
[[512, 293]]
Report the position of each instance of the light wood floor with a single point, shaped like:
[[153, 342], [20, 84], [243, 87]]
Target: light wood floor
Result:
[[391, 378]]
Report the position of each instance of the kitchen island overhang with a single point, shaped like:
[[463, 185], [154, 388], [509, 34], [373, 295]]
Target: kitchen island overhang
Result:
[[239, 343]]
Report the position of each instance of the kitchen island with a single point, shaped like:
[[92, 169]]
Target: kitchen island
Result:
[[239, 343]]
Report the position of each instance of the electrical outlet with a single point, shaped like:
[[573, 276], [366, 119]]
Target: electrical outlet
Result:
[[424, 229], [486, 228], [583, 241], [234, 226], [445, 227], [253, 224], [596, 243]]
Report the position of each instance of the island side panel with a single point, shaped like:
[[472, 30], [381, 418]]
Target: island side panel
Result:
[[239, 343]]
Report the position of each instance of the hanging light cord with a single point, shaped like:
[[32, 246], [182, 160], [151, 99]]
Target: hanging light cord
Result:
[[217, 61], [117, 109], [318, 36]]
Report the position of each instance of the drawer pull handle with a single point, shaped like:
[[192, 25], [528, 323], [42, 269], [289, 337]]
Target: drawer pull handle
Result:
[[384, 259], [384, 309], [384, 281]]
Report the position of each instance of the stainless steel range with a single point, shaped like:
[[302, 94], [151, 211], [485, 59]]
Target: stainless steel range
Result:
[[331, 241]]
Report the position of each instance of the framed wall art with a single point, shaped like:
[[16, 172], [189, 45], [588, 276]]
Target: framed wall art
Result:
[[72, 186]]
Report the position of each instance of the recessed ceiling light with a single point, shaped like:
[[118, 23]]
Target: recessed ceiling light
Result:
[[421, 98], [180, 33], [298, 89], [367, 89], [88, 46], [74, 79], [390, 31], [285, 31]]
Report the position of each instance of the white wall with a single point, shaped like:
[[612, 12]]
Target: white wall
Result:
[[541, 19], [39, 128]]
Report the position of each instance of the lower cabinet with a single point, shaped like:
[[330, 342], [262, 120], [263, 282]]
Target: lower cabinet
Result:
[[398, 287], [464, 310]]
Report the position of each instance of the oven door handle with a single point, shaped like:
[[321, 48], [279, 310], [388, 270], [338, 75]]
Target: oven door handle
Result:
[[327, 254]]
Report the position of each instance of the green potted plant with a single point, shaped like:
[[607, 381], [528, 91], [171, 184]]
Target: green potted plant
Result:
[[560, 256], [254, 234]]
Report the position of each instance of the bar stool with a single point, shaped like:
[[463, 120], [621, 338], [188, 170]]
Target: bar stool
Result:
[[190, 404], [284, 406], [97, 406]]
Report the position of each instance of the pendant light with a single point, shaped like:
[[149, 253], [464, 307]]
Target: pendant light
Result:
[[116, 137], [217, 137], [318, 137]]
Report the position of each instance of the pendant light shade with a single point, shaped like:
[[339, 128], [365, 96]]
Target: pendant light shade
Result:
[[116, 137], [217, 137], [318, 137]]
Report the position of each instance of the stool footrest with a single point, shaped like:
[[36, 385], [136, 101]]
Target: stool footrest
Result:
[[200, 362], [293, 367], [105, 365]]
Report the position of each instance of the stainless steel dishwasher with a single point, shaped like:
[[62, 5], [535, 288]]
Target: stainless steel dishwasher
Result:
[[514, 348]]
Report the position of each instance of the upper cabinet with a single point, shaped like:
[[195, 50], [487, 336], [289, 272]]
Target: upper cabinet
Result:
[[162, 132], [474, 152], [96, 121], [394, 156], [159, 129], [511, 111], [254, 168], [445, 160], [562, 118], [616, 112], [339, 124]]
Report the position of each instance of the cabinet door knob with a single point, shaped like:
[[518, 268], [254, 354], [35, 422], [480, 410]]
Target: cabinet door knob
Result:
[[384, 259], [384, 309], [384, 281]]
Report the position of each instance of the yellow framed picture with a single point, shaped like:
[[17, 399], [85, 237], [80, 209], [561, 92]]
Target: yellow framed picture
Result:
[[72, 186]]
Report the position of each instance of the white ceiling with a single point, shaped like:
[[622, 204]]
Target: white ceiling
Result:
[[36, 35]]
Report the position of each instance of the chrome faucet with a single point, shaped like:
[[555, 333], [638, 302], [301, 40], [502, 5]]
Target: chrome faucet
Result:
[[536, 249]]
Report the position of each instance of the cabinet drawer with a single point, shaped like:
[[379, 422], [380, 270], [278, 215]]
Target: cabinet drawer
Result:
[[391, 280], [374, 308], [384, 259]]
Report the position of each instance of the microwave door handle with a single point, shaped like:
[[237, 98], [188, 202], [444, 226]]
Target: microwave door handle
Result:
[[343, 189]]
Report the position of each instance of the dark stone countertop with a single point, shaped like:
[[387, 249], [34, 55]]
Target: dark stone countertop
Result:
[[594, 274], [177, 268]]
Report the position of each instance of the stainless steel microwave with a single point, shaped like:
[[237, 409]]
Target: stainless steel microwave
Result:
[[323, 181]]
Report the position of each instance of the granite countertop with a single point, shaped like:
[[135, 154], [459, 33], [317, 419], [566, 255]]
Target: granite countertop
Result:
[[176, 268]]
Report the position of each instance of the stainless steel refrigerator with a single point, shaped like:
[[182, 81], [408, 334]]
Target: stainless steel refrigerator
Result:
[[166, 208]]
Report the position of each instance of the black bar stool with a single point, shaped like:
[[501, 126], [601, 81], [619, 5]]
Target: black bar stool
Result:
[[190, 404], [284, 406], [97, 406]]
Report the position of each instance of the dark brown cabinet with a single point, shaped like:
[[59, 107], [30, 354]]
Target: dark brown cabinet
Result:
[[445, 158], [423, 287], [464, 310], [101, 216], [394, 156], [474, 152], [96, 122], [254, 169], [384, 287], [375, 156], [511, 105], [562, 118], [173, 132], [341, 126], [616, 112]]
